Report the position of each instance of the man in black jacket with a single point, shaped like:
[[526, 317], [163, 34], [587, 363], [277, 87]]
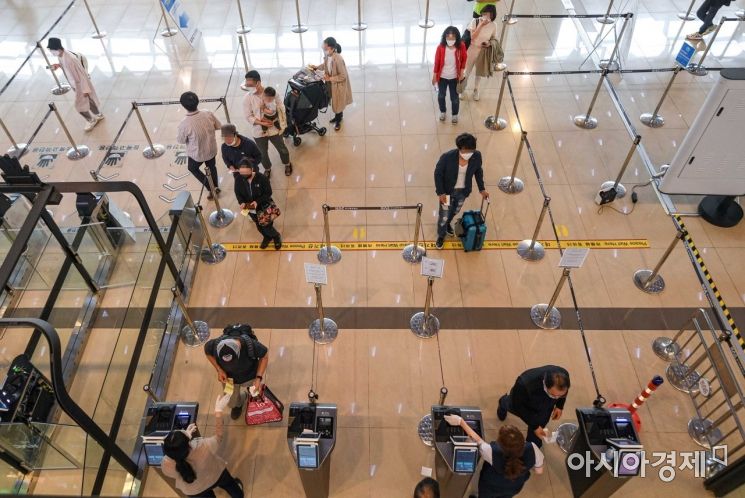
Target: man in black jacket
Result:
[[235, 147], [454, 175], [254, 193], [538, 396]]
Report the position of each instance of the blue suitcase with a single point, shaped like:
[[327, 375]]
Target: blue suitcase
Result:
[[471, 228]]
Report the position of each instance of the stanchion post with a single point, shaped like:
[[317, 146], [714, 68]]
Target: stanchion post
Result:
[[76, 151], [501, 66], [606, 19], [169, 31], [61, 88], [443, 395], [531, 249], [299, 27], [328, 254], [687, 16], [611, 63], [99, 34], [359, 25], [653, 119], [219, 218], [620, 190], [224, 102], [194, 333], [698, 68], [511, 184], [152, 150], [245, 63], [413, 253], [424, 324], [496, 123], [426, 23], [587, 121], [546, 316], [650, 281], [150, 393], [214, 252], [322, 330], [242, 29], [510, 19], [18, 149]]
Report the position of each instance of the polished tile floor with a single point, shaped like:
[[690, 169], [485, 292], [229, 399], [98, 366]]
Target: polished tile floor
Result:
[[384, 380]]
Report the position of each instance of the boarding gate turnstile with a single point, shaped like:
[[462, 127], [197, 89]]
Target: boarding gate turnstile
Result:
[[311, 437], [456, 455]]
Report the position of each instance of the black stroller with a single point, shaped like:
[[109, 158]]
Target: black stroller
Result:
[[306, 95]]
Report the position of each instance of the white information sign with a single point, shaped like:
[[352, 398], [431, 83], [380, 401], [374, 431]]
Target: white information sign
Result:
[[432, 267], [185, 23], [315, 274], [574, 257]]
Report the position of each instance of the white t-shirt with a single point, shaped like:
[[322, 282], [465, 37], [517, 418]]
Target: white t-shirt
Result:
[[461, 181], [449, 70]]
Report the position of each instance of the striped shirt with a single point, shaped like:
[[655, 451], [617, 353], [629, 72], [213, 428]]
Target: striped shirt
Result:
[[197, 131]]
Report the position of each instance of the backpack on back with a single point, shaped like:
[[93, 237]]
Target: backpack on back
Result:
[[245, 333]]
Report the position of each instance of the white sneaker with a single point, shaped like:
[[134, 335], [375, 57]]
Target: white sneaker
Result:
[[454, 120], [462, 96], [476, 96], [442, 116], [91, 124], [99, 117]]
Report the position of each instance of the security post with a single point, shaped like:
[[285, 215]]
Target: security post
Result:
[[531, 249], [359, 25], [586, 120], [607, 19], [650, 281], [687, 16], [194, 333], [611, 63], [426, 23], [511, 184], [168, 31], [219, 218], [311, 438], [76, 151], [242, 29], [456, 455], [496, 123], [61, 88], [653, 119], [214, 252], [698, 69], [546, 316], [299, 27], [328, 254], [99, 34], [152, 150], [18, 149], [413, 252], [425, 324], [322, 330], [245, 64], [612, 190]]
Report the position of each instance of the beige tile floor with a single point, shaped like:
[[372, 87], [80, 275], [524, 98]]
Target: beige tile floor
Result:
[[385, 380]]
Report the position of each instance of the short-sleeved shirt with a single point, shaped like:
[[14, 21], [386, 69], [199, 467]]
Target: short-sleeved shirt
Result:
[[245, 366], [197, 131]]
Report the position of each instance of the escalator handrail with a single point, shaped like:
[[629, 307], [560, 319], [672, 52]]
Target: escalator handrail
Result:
[[68, 405]]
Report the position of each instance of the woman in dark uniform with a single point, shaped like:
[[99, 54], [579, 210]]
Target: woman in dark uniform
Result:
[[507, 461]]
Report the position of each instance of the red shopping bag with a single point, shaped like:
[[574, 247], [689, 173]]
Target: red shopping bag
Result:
[[264, 408]]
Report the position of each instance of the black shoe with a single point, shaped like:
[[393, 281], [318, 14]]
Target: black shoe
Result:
[[439, 243], [265, 243], [235, 413], [334, 119], [278, 243], [501, 412], [210, 196], [337, 125], [217, 190], [450, 231], [268, 173], [288, 169], [239, 483]]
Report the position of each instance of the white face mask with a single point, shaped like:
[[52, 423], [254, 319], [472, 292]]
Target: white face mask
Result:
[[251, 90], [450, 42], [231, 143], [466, 155], [486, 18], [272, 106], [56, 53]]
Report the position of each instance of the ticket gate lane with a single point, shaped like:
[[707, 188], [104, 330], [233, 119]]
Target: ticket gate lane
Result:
[[456, 455], [311, 437]]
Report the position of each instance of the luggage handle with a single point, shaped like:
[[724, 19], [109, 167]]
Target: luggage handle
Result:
[[481, 209]]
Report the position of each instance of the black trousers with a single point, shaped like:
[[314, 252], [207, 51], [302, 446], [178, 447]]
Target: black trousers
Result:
[[226, 482], [267, 231], [194, 170], [505, 403], [706, 13]]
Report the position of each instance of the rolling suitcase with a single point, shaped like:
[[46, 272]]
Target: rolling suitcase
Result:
[[471, 228]]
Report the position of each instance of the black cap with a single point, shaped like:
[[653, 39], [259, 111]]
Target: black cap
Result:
[[54, 44]]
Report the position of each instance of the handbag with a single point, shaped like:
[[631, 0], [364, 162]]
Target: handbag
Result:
[[461, 86], [268, 214], [466, 38], [264, 408]]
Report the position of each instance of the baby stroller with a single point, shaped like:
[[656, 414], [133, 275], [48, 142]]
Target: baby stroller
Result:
[[306, 95]]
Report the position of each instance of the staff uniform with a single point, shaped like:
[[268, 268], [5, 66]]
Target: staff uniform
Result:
[[80, 82], [197, 131], [457, 182], [492, 481]]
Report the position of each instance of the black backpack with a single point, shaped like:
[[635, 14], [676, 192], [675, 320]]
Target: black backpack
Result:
[[245, 334]]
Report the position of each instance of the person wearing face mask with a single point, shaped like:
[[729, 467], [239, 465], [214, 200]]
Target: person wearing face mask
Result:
[[86, 100], [197, 131], [538, 396], [478, 7], [196, 464], [337, 79], [254, 192], [236, 147], [454, 176], [268, 117], [483, 30], [450, 66]]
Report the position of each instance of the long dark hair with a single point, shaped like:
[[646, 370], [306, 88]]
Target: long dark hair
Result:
[[491, 10], [512, 442], [331, 42], [450, 30], [176, 446]]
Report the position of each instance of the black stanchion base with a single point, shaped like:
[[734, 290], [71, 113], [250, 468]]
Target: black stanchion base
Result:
[[720, 210]]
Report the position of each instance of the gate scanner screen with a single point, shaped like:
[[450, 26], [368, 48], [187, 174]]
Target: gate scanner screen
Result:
[[464, 460], [307, 456]]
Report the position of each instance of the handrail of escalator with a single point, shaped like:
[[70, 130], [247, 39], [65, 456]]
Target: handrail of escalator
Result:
[[68, 405]]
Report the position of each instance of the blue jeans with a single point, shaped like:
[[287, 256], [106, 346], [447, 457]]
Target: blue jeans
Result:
[[444, 85], [706, 13], [457, 198]]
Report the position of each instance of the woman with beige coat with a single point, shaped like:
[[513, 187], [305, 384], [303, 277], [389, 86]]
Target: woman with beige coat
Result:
[[337, 79]]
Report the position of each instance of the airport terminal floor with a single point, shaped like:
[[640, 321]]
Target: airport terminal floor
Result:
[[381, 377]]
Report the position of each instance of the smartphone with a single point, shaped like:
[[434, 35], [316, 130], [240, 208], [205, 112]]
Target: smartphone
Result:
[[447, 200]]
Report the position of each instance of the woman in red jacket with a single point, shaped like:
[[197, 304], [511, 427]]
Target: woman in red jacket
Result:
[[450, 66]]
